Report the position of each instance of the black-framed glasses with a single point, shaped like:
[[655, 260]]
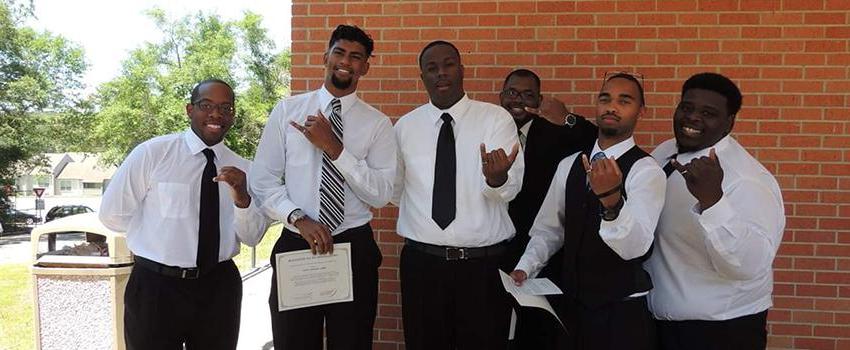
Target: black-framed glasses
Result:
[[225, 109], [615, 73], [527, 95]]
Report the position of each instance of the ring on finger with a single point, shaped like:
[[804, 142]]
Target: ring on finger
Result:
[[315, 242]]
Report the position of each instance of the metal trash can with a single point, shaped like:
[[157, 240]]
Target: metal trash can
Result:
[[79, 289]]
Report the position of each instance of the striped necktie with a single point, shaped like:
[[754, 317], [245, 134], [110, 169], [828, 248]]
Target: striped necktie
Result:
[[331, 192]]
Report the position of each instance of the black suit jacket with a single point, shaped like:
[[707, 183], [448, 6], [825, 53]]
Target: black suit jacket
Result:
[[545, 146]]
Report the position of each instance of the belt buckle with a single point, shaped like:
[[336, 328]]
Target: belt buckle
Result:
[[190, 274], [456, 254]]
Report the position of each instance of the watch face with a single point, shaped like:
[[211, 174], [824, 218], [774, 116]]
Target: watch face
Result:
[[570, 119]]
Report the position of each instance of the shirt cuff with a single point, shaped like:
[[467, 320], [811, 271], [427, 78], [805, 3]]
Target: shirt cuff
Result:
[[616, 229], [345, 162], [525, 265], [494, 192], [715, 217], [280, 212]]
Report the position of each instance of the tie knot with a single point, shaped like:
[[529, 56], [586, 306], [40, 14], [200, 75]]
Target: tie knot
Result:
[[210, 154], [598, 156], [336, 104], [447, 118]]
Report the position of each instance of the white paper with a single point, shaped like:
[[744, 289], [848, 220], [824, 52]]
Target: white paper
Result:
[[305, 280], [523, 298]]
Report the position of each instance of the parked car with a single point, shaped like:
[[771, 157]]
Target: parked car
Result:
[[61, 211], [14, 216]]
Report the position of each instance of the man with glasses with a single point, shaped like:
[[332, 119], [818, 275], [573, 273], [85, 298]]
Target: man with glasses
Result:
[[184, 202], [326, 158], [547, 134], [602, 208], [719, 231]]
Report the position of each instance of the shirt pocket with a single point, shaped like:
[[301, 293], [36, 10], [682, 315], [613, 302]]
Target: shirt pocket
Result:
[[298, 150], [174, 199]]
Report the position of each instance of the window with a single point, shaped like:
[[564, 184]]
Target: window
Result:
[[92, 185], [65, 185], [42, 181]]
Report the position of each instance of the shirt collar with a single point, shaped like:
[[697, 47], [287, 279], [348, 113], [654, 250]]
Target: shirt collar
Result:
[[325, 98], [616, 150], [719, 146], [196, 145], [456, 110]]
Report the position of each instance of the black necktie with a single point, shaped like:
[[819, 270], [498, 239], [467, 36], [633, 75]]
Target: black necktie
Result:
[[443, 201], [208, 224], [668, 168]]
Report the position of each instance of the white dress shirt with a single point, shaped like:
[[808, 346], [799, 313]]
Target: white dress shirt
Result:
[[482, 211], [287, 169], [155, 198], [629, 235], [716, 265]]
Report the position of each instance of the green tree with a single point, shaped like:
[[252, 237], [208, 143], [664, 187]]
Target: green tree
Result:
[[149, 96], [40, 74]]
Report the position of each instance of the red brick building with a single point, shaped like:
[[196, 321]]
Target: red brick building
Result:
[[791, 59]]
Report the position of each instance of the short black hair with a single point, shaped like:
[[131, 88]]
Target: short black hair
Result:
[[193, 97], [523, 73], [719, 84], [352, 33], [435, 43], [631, 78]]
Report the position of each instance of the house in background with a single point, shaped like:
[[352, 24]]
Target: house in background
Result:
[[67, 174]]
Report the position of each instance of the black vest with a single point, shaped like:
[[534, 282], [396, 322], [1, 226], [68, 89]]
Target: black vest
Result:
[[593, 273]]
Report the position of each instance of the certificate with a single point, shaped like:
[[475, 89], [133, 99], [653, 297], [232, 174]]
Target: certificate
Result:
[[532, 293], [305, 280]]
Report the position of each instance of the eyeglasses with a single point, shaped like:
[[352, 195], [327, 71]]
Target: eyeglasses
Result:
[[526, 95], [611, 74], [225, 109]]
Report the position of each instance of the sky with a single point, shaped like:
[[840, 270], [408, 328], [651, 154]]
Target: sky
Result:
[[109, 29]]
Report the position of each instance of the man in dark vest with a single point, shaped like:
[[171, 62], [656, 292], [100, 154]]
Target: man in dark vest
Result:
[[602, 208], [548, 133]]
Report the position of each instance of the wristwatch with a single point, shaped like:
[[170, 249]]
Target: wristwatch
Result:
[[613, 213], [296, 215], [570, 119]]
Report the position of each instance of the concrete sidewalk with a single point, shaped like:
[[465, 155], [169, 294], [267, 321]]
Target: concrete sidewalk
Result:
[[255, 331]]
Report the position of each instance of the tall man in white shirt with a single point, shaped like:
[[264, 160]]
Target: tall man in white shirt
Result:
[[719, 231], [324, 160], [455, 179], [603, 211], [171, 197]]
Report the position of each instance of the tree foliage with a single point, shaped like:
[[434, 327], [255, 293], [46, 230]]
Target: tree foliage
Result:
[[149, 97], [40, 73]]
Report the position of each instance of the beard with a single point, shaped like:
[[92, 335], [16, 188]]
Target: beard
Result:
[[609, 131], [340, 84]]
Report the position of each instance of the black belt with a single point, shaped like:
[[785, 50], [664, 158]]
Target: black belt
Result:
[[168, 271], [458, 253]]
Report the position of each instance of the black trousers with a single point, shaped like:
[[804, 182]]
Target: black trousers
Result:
[[621, 325], [163, 313], [348, 325], [742, 333], [459, 304]]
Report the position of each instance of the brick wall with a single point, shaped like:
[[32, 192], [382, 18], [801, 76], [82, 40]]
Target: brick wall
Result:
[[789, 57]]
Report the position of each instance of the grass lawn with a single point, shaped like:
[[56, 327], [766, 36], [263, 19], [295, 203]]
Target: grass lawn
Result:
[[264, 250], [16, 313]]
